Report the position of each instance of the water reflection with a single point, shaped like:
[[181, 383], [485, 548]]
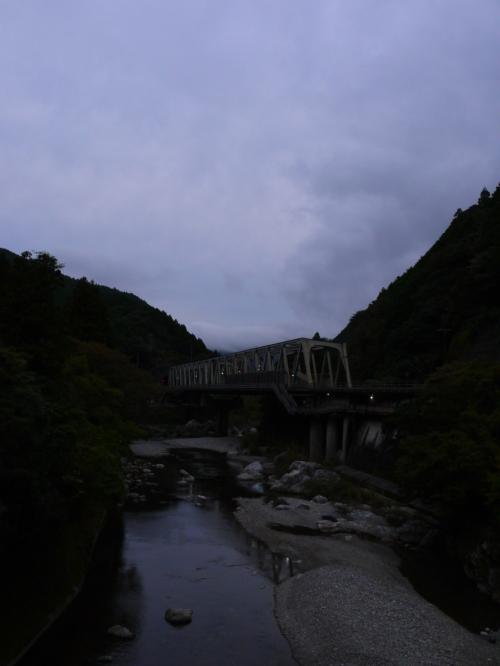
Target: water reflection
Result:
[[276, 566], [177, 553]]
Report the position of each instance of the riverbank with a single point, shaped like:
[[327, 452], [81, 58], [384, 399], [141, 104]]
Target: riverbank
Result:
[[179, 546], [351, 605], [161, 448], [348, 602]]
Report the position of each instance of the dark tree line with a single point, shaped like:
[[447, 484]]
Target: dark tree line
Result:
[[71, 392]]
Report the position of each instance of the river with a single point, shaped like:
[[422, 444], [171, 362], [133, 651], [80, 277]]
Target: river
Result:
[[172, 553]]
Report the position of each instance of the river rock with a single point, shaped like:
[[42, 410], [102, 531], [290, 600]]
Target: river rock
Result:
[[252, 472], [119, 631], [295, 476], [304, 466], [327, 475], [366, 523], [327, 526], [255, 467], [320, 499], [178, 616]]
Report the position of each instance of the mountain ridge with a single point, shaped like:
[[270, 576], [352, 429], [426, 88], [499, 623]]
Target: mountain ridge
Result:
[[444, 308]]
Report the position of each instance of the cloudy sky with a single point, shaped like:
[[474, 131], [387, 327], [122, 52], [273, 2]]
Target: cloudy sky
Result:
[[257, 168]]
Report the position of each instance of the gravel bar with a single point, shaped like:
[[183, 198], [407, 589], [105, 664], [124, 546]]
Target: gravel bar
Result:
[[351, 606]]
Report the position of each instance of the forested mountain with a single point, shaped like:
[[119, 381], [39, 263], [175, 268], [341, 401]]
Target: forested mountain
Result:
[[151, 338], [443, 309], [75, 362], [439, 324], [79, 369]]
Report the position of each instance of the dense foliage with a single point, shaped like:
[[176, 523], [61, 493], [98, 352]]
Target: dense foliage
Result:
[[445, 308], [439, 323], [68, 401], [152, 338], [450, 450]]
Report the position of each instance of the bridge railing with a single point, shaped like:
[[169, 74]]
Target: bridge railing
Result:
[[273, 377]]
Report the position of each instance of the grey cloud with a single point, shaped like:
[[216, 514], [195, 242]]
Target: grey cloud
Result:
[[259, 170]]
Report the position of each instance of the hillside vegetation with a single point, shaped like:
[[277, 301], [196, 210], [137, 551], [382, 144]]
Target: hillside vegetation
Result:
[[445, 308], [439, 324], [151, 338], [73, 361], [79, 369]]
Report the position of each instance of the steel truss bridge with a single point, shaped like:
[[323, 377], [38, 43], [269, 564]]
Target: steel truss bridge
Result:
[[308, 377]]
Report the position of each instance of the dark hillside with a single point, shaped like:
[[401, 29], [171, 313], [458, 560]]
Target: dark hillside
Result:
[[151, 338], [443, 309], [76, 378]]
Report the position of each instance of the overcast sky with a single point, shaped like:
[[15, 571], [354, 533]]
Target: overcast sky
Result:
[[257, 168]]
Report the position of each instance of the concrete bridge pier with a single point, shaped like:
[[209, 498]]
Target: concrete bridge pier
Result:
[[346, 426], [332, 438], [316, 439]]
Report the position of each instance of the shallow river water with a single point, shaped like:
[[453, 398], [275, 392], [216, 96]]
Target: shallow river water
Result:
[[175, 554], [170, 552]]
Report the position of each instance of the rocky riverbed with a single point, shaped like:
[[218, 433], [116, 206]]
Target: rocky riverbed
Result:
[[350, 604], [347, 602]]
